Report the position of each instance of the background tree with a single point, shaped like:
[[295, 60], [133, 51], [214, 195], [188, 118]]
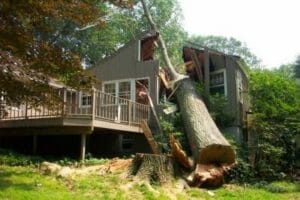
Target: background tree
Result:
[[27, 60], [126, 24], [276, 120], [297, 67], [228, 46]]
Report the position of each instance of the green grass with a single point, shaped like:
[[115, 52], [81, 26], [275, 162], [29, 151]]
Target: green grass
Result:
[[26, 182]]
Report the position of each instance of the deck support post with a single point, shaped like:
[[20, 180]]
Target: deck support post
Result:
[[129, 113], [34, 144], [64, 101], [82, 147], [93, 104]]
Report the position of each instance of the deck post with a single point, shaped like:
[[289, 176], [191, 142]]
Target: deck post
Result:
[[129, 113], [34, 144], [26, 107], [64, 102], [93, 104], [82, 147]]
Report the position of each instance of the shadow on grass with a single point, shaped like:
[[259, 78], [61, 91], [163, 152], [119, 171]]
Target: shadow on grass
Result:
[[7, 181]]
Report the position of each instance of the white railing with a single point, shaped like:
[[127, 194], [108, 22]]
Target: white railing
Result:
[[97, 106]]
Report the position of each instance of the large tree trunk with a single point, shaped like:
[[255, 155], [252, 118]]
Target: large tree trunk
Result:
[[212, 154], [207, 143]]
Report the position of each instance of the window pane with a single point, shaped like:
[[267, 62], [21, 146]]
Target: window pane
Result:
[[124, 90], [217, 79], [86, 100], [110, 88]]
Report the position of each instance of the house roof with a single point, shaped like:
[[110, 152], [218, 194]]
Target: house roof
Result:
[[141, 36], [240, 62]]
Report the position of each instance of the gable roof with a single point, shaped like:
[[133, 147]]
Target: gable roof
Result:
[[141, 36]]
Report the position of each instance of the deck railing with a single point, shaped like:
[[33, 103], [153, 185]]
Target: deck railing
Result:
[[95, 105]]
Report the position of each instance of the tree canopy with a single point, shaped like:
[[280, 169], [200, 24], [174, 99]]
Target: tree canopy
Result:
[[27, 60], [296, 66], [275, 102]]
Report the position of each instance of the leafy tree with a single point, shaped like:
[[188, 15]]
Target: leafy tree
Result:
[[228, 46], [126, 24], [276, 121], [27, 61], [286, 70], [297, 67]]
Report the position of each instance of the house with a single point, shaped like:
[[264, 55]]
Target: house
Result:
[[107, 120], [223, 74]]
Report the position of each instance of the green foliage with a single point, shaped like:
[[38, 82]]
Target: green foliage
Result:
[[15, 159], [273, 95], [222, 117], [30, 48], [242, 172], [275, 123], [296, 66], [173, 125], [229, 46]]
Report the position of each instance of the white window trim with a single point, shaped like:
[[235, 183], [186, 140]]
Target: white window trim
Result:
[[225, 79]]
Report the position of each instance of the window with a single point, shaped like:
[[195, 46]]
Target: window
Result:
[[124, 90], [110, 88], [86, 100], [218, 82]]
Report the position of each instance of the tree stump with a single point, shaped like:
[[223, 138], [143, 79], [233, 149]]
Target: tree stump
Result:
[[153, 167]]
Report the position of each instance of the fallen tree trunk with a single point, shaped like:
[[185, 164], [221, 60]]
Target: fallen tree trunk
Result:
[[207, 143], [212, 153]]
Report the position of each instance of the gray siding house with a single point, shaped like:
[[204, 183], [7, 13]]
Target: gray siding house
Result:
[[131, 67]]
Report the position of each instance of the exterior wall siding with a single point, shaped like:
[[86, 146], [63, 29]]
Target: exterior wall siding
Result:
[[125, 65]]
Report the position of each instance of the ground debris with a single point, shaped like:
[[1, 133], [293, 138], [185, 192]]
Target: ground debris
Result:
[[114, 165]]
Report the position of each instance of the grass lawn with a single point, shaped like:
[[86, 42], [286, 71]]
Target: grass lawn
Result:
[[21, 179], [25, 182]]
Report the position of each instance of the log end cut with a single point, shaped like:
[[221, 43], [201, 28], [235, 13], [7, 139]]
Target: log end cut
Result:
[[216, 154]]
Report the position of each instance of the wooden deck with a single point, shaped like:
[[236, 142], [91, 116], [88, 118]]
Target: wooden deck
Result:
[[98, 111]]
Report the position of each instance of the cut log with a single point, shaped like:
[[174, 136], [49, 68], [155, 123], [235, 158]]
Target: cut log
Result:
[[153, 167], [209, 175]]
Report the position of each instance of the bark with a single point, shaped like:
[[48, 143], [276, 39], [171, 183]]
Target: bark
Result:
[[153, 167]]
